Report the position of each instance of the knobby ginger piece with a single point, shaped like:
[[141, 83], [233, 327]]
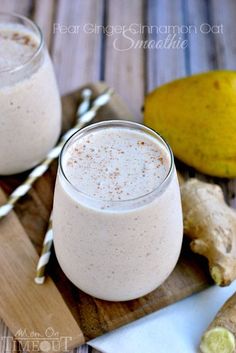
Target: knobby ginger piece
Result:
[[220, 335], [211, 224]]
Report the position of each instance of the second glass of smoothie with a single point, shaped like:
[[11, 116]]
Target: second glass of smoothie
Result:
[[30, 107], [117, 218]]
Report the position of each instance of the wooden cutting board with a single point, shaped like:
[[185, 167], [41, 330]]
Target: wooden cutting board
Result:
[[58, 303]]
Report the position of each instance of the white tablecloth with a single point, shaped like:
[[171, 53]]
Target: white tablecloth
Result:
[[175, 329]]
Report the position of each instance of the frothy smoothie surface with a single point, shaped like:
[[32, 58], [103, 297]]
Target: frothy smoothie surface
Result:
[[17, 46], [116, 163]]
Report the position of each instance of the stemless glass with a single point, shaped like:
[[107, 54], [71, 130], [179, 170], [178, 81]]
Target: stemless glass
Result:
[[124, 251], [30, 106]]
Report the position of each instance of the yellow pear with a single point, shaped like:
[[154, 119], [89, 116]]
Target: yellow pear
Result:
[[197, 116]]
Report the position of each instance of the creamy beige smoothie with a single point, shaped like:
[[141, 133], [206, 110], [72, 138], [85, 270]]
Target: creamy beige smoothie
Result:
[[117, 217], [30, 108]]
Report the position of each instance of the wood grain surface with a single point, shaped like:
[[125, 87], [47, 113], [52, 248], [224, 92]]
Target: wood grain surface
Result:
[[83, 58], [25, 305]]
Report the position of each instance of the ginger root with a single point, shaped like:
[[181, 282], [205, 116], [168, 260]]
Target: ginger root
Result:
[[211, 224], [220, 335]]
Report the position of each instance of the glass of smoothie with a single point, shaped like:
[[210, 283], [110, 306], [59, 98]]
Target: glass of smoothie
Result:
[[117, 218], [30, 107]]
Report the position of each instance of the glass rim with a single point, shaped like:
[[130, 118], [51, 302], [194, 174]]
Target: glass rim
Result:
[[120, 123], [38, 48]]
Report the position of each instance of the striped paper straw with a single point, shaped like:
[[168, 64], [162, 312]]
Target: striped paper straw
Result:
[[54, 153], [45, 254], [48, 240]]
